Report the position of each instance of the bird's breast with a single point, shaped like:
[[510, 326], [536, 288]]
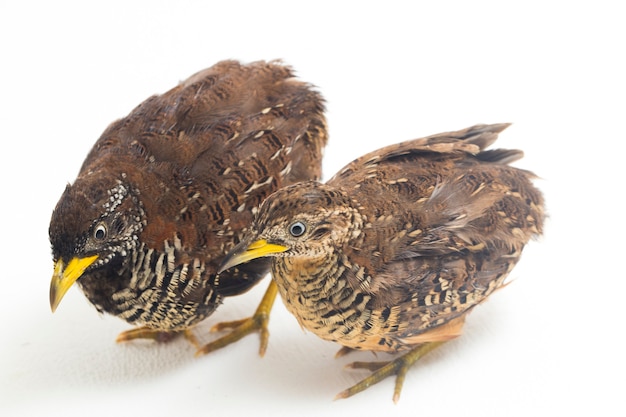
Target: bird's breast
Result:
[[153, 289], [323, 301]]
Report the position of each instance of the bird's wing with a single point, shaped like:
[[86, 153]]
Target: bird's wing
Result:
[[441, 208], [472, 140]]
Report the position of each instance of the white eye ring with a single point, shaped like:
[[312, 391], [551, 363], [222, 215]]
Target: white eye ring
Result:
[[297, 229], [100, 233]]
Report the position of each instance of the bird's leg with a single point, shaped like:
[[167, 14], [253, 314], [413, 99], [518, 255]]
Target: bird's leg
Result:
[[343, 351], [382, 370], [148, 333], [240, 328]]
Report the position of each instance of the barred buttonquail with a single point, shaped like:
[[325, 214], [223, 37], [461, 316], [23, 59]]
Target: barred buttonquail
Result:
[[393, 252], [168, 190]]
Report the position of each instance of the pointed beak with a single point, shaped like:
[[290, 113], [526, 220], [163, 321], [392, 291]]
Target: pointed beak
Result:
[[66, 275], [245, 252]]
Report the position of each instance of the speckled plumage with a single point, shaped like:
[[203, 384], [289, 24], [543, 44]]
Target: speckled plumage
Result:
[[168, 190], [394, 250]]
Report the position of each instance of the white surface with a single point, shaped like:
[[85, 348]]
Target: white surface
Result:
[[547, 344]]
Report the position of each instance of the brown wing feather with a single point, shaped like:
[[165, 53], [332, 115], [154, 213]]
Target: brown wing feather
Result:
[[449, 226]]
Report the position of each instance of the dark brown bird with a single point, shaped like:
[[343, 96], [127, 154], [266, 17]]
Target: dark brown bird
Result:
[[393, 252], [168, 190]]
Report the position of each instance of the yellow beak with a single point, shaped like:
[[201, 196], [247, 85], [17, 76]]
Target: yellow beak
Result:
[[244, 253], [65, 276]]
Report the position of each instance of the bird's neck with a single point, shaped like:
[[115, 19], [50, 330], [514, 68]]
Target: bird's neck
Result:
[[315, 285]]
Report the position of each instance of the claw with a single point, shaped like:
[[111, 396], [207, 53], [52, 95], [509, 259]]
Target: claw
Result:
[[241, 328]]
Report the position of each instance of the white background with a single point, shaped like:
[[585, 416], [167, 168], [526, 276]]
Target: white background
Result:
[[547, 344]]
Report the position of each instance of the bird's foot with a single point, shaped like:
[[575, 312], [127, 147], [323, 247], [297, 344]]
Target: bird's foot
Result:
[[382, 370], [160, 336], [241, 328]]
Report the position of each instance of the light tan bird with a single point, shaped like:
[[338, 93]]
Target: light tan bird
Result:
[[393, 252]]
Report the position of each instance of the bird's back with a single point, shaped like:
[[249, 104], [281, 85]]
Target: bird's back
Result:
[[209, 151], [445, 221]]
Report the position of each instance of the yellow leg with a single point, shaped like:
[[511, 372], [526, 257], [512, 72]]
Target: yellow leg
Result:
[[240, 328], [159, 336], [382, 370], [147, 333]]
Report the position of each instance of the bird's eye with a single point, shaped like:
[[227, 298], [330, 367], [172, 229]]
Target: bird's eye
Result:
[[297, 229], [100, 233]]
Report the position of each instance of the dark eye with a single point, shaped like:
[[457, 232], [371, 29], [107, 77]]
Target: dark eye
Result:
[[100, 233], [297, 229]]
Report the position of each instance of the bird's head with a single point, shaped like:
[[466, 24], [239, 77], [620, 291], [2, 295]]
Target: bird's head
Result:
[[305, 220], [94, 225]]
